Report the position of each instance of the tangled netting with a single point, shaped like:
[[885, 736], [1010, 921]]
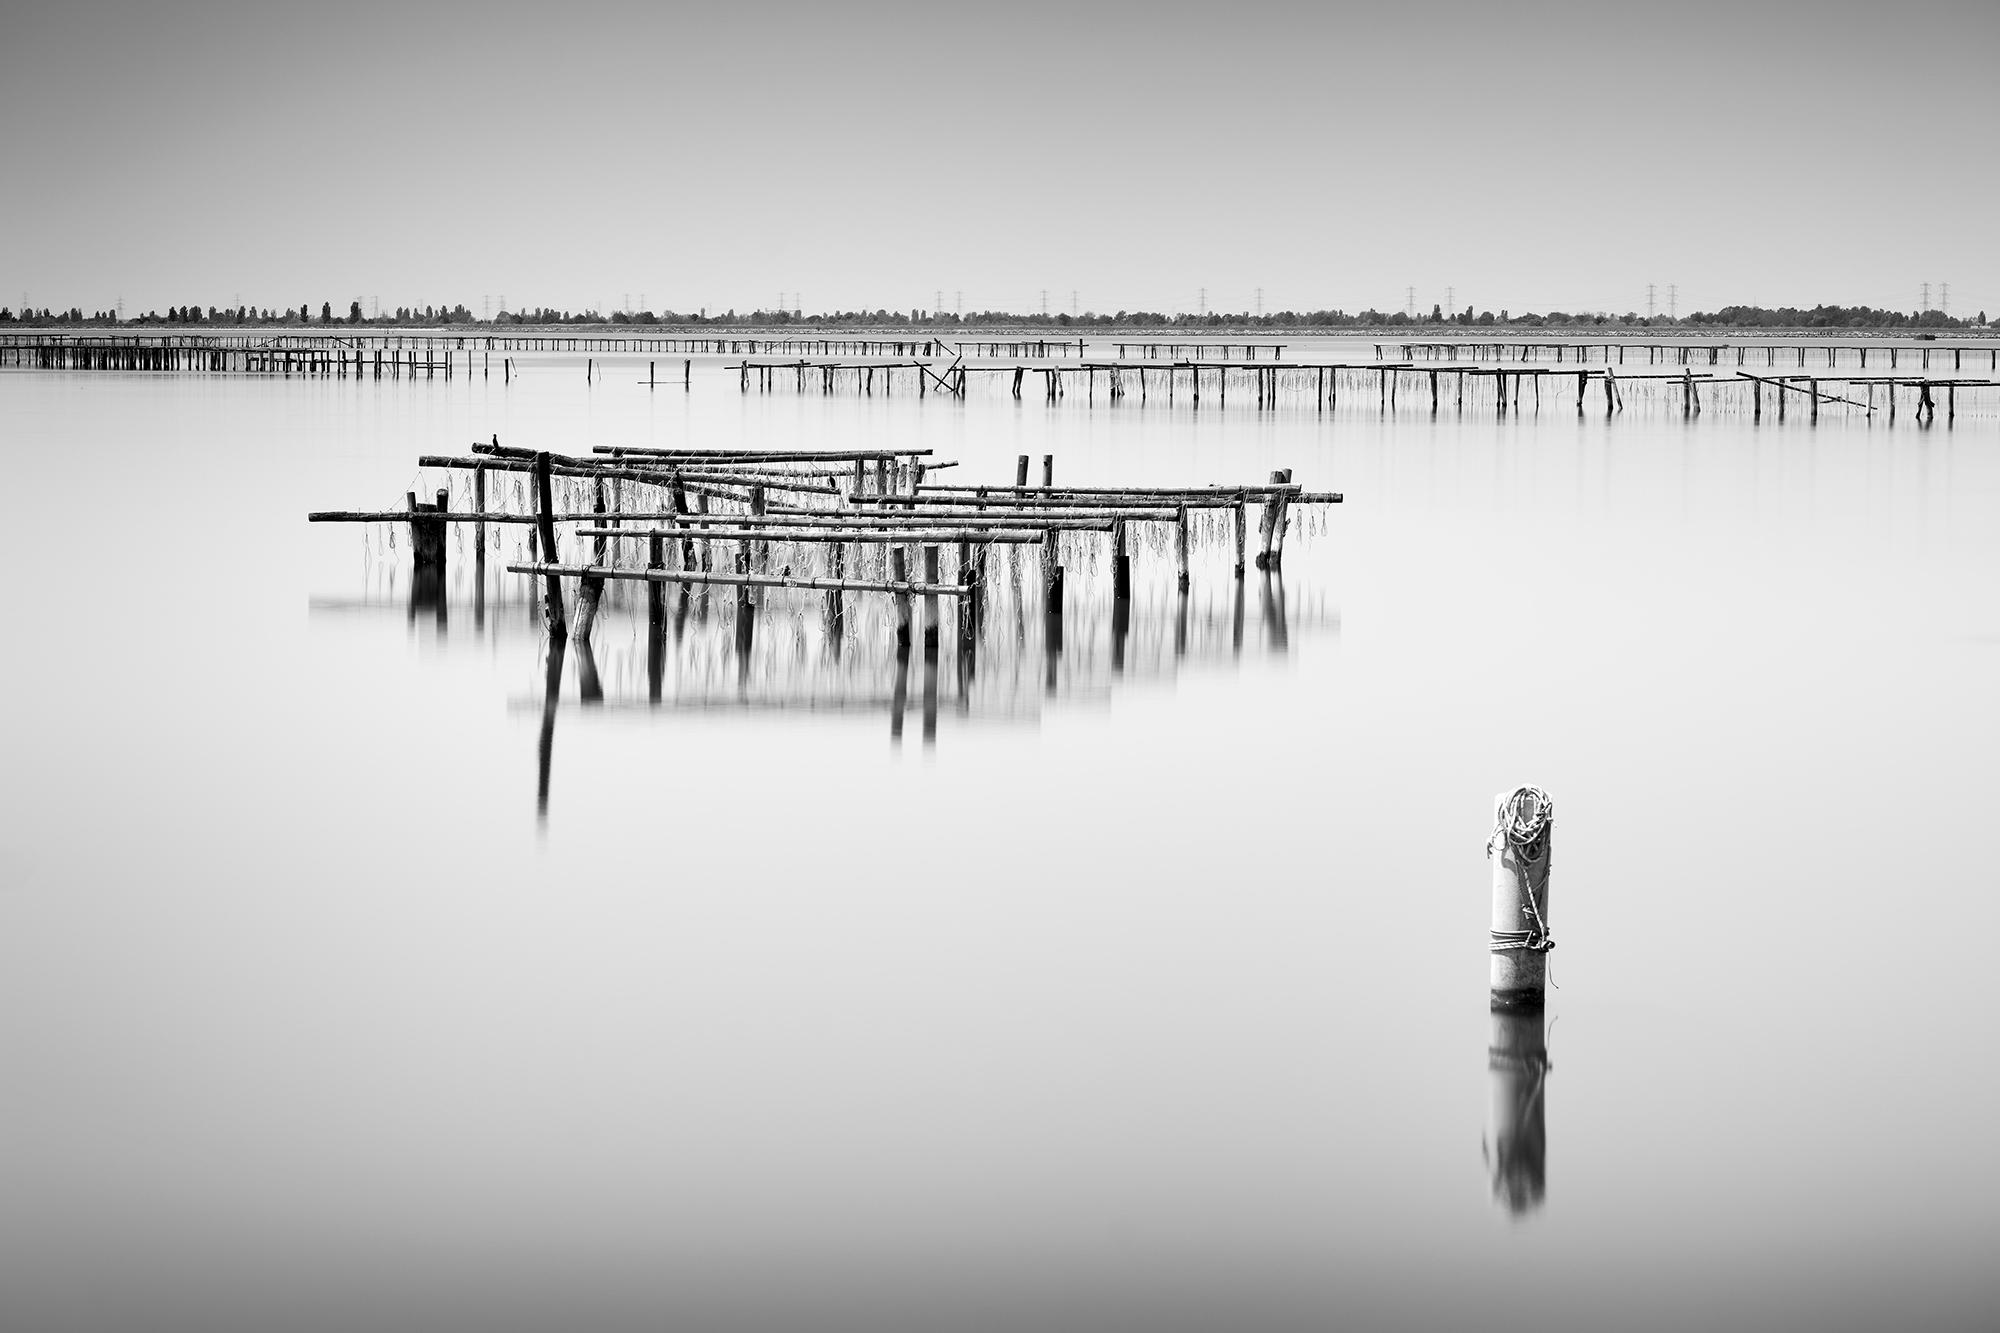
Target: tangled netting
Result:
[[1522, 828]]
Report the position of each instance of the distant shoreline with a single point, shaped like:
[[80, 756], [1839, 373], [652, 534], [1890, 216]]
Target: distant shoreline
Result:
[[1510, 333]]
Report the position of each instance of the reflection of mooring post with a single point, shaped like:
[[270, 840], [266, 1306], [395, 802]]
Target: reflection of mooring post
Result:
[[1121, 563], [1520, 849], [545, 749], [545, 528], [1517, 1139]]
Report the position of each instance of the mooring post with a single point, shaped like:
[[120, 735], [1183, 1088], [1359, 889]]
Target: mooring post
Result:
[[1181, 551], [1240, 511], [1270, 525], [930, 607], [899, 573], [1519, 847], [656, 593], [590, 591], [1021, 471], [545, 529], [479, 507], [427, 546], [1048, 470], [1052, 574], [836, 608], [744, 606]]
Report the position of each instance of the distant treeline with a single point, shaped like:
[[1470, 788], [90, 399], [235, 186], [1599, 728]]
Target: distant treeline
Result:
[[303, 316]]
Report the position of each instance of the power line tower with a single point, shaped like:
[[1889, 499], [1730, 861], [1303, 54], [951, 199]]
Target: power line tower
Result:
[[958, 304], [1651, 299], [1410, 301], [1673, 301], [937, 304], [1926, 297], [1944, 298], [1260, 303], [1045, 303], [1451, 300], [1204, 302]]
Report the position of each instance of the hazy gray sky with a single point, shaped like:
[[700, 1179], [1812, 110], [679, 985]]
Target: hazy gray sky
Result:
[[1528, 155]]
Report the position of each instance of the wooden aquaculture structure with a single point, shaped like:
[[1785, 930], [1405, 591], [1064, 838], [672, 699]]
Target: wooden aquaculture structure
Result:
[[844, 523]]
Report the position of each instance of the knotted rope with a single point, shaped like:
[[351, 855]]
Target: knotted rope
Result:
[[1522, 827]]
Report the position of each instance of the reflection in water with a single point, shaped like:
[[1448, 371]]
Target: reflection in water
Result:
[[545, 750], [1517, 1141], [793, 650], [427, 593]]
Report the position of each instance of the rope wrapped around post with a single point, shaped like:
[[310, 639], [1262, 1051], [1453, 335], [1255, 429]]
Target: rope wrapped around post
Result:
[[1519, 941]]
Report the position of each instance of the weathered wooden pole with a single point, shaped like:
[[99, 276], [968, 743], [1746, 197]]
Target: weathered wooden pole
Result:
[[1520, 849], [1270, 527], [1052, 576], [1121, 564], [836, 605], [545, 531], [1021, 470], [1048, 470], [899, 572], [427, 531], [930, 607], [656, 593], [590, 591], [1181, 555]]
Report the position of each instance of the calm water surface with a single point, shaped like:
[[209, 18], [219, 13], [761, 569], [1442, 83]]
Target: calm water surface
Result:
[[1154, 999]]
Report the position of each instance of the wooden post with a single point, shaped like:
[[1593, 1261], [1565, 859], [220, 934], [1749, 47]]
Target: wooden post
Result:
[[656, 593], [1520, 847], [478, 507], [1181, 556], [930, 607], [427, 533], [1270, 525], [1021, 470], [1121, 564], [545, 529], [1052, 575], [1241, 513], [590, 589], [1048, 470], [899, 572], [836, 606]]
